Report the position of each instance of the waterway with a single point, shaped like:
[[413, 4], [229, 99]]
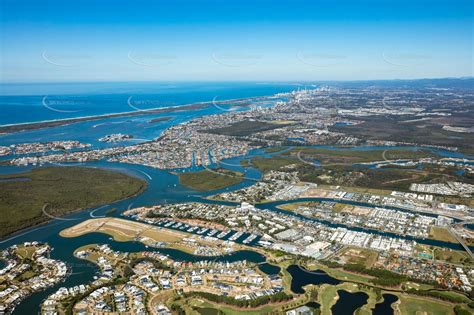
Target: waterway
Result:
[[163, 188], [269, 269], [83, 271]]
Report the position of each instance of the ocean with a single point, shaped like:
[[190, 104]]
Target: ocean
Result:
[[22, 103]]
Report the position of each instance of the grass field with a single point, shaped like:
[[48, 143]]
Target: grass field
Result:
[[205, 180], [354, 255], [61, 190], [452, 256], [441, 234], [202, 306], [292, 206], [327, 298], [26, 252], [410, 305], [364, 190]]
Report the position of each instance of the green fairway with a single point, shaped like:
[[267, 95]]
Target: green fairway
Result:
[[417, 306]]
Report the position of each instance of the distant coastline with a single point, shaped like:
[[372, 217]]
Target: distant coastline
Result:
[[28, 126]]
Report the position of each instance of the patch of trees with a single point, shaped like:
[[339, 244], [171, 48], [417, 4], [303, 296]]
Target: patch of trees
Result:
[[128, 270], [275, 298], [178, 309], [382, 276], [459, 310], [438, 295]]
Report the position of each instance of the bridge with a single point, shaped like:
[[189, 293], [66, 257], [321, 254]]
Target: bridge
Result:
[[461, 241]]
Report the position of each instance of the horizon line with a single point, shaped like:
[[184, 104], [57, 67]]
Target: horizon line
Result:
[[240, 81]]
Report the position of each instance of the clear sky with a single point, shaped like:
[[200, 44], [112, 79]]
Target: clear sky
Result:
[[177, 40]]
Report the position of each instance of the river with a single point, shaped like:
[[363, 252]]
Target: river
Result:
[[163, 188]]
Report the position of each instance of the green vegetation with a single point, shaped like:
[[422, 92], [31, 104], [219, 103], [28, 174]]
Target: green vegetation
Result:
[[156, 264], [381, 276], [349, 157], [274, 163], [393, 129], [449, 296], [61, 190], [26, 252], [452, 256], [328, 296], [459, 310], [338, 168], [27, 275], [245, 128], [209, 311], [414, 306], [274, 149], [245, 163], [210, 180], [275, 298]]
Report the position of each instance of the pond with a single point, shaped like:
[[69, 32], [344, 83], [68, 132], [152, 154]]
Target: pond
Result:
[[313, 304], [385, 307], [269, 269], [349, 302], [302, 277]]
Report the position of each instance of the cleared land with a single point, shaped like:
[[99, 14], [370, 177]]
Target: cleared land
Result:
[[441, 234], [452, 256], [125, 230], [60, 190], [206, 180], [122, 230], [353, 255]]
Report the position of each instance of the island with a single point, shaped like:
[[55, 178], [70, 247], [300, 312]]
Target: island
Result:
[[206, 180], [34, 197]]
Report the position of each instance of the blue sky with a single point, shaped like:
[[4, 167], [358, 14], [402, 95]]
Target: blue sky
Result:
[[83, 40]]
